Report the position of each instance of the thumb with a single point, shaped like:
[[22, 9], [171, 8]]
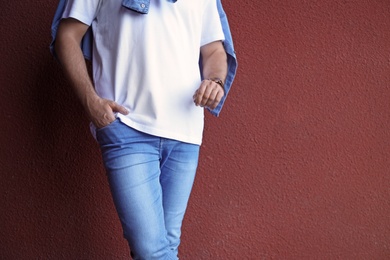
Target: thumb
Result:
[[118, 108]]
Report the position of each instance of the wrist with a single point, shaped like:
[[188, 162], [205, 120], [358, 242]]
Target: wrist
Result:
[[217, 80], [89, 100]]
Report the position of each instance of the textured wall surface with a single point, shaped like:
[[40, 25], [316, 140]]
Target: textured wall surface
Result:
[[296, 167]]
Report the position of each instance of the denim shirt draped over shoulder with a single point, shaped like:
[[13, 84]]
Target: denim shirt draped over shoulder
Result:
[[142, 6]]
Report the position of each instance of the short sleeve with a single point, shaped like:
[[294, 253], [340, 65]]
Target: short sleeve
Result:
[[83, 10], [211, 23]]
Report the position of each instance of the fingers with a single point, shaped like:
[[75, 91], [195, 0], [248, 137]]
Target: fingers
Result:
[[102, 111], [103, 114], [109, 109], [116, 108], [209, 94]]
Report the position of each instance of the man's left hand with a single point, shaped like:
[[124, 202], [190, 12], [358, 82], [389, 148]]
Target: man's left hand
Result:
[[209, 94]]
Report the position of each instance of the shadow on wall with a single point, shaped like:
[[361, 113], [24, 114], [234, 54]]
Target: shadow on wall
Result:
[[54, 188]]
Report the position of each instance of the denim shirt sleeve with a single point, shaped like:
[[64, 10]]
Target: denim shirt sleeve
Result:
[[231, 58], [86, 44]]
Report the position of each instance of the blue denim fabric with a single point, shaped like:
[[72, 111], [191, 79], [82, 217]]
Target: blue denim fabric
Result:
[[151, 180], [142, 6], [231, 58]]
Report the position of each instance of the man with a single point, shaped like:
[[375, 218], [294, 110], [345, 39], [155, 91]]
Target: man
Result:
[[146, 102]]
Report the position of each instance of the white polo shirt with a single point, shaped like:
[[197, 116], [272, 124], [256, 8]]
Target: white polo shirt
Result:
[[149, 63]]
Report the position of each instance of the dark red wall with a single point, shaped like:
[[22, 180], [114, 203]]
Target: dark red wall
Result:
[[296, 167]]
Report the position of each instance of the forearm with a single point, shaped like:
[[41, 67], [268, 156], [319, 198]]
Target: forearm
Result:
[[214, 63], [101, 111], [71, 57]]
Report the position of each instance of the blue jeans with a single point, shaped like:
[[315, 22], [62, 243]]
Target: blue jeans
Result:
[[150, 180]]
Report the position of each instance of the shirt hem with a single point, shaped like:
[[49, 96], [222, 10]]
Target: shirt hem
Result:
[[160, 133]]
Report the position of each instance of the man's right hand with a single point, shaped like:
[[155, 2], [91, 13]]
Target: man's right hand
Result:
[[102, 111]]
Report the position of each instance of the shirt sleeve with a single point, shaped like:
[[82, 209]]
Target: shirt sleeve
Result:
[[83, 10], [211, 24]]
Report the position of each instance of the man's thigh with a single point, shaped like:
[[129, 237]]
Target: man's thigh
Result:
[[131, 159], [178, 170]]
